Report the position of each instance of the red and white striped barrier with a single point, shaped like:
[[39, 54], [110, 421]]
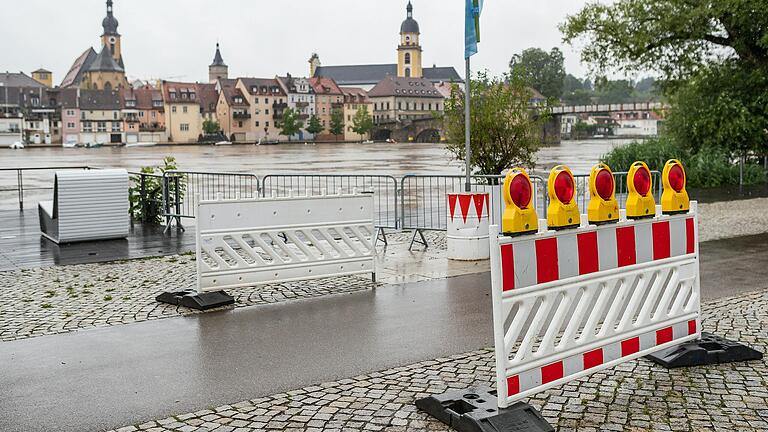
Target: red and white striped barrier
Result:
[[573, 302], [468, 220]]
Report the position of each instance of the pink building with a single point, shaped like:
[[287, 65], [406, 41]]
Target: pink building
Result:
[[70, 116]]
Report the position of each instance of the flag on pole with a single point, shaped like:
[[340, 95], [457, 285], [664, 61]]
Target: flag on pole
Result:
[[472, 27]]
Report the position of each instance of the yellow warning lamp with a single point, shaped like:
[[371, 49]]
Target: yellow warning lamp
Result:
[[640, 202], [563, 212], [602, 207], [519, 213], [674, 199]]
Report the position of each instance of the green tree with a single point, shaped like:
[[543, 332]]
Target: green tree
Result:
[[314, 126], [337, 122], [290, 124], [674, 37], [211, 126], [505, 132], [362, 122], [613, 91], [543, 71]]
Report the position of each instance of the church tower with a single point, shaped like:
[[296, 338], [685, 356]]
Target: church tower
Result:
[[218, 69], [409, 50], [111, 38]]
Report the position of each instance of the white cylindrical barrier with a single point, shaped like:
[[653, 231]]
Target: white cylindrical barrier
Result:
[[468, 217]]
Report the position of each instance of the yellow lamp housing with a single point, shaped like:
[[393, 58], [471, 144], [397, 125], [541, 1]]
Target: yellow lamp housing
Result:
[[519, 212], [674, 199], [640, 202], [603, 207], [563, 212]]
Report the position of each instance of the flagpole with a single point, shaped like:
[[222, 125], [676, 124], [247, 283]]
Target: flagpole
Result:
[[467, 128]]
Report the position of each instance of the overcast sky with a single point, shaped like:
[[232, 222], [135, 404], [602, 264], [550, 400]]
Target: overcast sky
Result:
[[175, 39]]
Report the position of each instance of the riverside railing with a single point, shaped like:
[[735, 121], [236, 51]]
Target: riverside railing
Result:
[[384, 188], [183, 189], [19, 174]]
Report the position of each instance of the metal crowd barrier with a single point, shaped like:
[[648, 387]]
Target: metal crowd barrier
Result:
[[183, 189], [383, 187]]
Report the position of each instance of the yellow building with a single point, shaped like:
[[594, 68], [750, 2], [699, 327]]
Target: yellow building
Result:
[[44, 77], [355, 98], [183, 121], [409, 50]]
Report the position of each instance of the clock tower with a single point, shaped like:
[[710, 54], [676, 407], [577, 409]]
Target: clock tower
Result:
[[111, 38], [409, 50]]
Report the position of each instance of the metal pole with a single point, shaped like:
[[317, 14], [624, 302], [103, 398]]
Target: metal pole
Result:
[[467, 128]]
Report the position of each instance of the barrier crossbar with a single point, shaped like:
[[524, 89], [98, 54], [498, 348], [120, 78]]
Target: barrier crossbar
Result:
[[570, 303], [383, 187]]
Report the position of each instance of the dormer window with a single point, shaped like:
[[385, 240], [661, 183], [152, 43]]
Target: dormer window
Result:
[[173, 94]]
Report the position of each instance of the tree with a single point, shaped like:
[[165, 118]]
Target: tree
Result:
[[337, 122], [613, 92], [543, 71], [674, 37], [314, 126], [210, 127], [505, 132], [290, 124], [725, 107], [362, 122]]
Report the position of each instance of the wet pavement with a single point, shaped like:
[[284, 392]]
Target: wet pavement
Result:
[[101, 378], [22, 246]]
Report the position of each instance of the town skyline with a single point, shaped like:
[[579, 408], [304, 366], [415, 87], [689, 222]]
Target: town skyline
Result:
[[190, 43]]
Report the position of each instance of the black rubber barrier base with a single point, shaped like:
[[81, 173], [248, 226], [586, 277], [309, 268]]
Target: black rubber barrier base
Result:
[[476, 410], [194, 300], [708, 350]]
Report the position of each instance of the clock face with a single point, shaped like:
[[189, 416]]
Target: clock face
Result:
[[112, 39]]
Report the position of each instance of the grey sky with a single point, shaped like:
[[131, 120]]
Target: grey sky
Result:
[[175, 39]]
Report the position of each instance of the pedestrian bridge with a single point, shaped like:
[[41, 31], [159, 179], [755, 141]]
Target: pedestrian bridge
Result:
[[603, 108]]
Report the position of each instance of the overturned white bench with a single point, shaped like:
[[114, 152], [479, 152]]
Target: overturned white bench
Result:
[[86, 205]]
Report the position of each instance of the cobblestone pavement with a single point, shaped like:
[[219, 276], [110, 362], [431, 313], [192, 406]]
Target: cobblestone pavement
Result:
[[59, 299], [635, 396]]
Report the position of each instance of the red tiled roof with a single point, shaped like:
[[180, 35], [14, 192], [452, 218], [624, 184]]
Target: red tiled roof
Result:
[[323, 85], [262, 86]]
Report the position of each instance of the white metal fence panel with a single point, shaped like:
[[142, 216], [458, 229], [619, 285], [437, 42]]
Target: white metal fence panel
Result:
[[570, 303], [255, 241]]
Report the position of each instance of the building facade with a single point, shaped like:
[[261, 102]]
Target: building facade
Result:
[[267, 102], [409, 50], [328, 98], [355, 99], [101, 119], [301, 98], [183, 121], [233, 111], [398, 99]]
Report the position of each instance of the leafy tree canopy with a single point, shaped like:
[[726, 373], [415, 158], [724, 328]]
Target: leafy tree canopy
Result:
[[211, 126], [337, 122], [504, 132], [542, 70], [674, 37], [290, 124], [362, 122], [314, 126]]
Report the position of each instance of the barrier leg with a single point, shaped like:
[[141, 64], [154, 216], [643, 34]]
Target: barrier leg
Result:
[[476, 410], [380, 235], [422, 241], [195, 300], [707, 350]]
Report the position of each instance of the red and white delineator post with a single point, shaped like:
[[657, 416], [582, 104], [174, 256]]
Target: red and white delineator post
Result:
[[573, 302], [467, 226]]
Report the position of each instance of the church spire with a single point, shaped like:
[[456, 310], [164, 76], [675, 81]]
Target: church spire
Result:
[[409, 9], [217, 59], [110, 22]]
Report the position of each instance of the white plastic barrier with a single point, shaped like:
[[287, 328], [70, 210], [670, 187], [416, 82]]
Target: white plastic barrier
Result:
[[573, 302], [467, 226], [255, 241]]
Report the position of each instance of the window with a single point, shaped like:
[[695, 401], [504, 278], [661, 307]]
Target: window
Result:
[[173, 109], [407, 60], [71, 113], [239, 124], [82, 116], [154, 115], [185, 109], [399, 105], [266, 111], [408, 72], [102, 126], [256, 100], [116, 127], [266, 124], [184, 127], [141, 114], [114, 115], [173, 94], [257, 123], [266, 101], [70, 125], [87, 126]]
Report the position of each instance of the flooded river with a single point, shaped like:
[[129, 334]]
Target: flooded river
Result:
[[381, 158]]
